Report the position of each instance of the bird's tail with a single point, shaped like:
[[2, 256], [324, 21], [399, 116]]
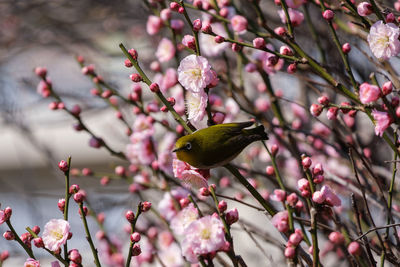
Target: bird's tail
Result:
[[256, 134]]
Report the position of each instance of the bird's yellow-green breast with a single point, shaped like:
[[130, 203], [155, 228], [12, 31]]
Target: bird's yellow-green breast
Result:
[[218, 144]]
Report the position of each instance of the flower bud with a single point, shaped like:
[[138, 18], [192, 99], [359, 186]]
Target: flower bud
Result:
[[79, 197], [135, 77], [135, 237], [232, 216], [290, 252], [145, 206], [38, 242], [136, 250], [133, 53], [222, 206], [280, 31], [36, 229], [204, 191], [74, 189], [219, 39], [259, 43], [197, 25], [8, 235], [336, 238], [285, 50], [75, 256], [306, 162], [295, 238], [130, 216], [206, 28], [364, 9], [387, 88], [4, 255], [346, 47], [128, 63], [154, 88], [316, 110], [323, 100], [328, 15], [61, 204], [63, 165], [354, 248], [120, 171], [236, 47]]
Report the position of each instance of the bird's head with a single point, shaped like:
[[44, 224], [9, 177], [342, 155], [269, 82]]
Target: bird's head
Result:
[[186, 149]]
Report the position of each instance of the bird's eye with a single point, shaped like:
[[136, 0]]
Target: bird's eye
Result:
[[188, 146]]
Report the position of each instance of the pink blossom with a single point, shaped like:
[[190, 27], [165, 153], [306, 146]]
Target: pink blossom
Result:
[[196, 104], [279, 195], [208, 46], [183, 219], [193, 179], [165, 50], [141, 150], [239, 24], [364, 9], [262, 104], [382, 121], [281, 221], [330, 197], [194, 73], [383, 40], [295, 3], [205, 235], [369, 93], [296, 17], [55, 234], [171, 256], [166, 205], [153, 25], [143, 125], [31, 263]]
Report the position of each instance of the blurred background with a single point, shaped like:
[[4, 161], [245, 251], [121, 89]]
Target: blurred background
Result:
[[33, 138]]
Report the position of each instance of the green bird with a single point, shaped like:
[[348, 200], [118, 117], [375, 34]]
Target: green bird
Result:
[[217, 145]]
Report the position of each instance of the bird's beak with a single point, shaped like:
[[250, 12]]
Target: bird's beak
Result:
[[176, 149]]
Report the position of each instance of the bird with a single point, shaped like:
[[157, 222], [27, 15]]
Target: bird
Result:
[[217, 145]]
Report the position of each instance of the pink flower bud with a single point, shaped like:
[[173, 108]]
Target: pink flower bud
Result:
[[219, 39], [204, 191], [38, 242], [316, 110], [130, 216], [354, 248], [165, 14], [259, 43], [279, 195], [74, 189], [145, 206], [136, 250], [318, 169], [346, 47], [174, 6], [292, 199], [280, 31], [364, 9], [318, 197], [328, 14], [318, 179], [369, 93], [36, 229], [197, 25], [154, 88], [189, 41], [79, 197], [207, 27], [290, 252], [133, 53], [236, 47], [155, 66], [306, 162], [232, 216], [95, 142], [274, 149], [8, 235], [128, 63], [222, 206], [323, 100], [41, 72], [303, 184], [218, 117], [135, 237], [285, 50], [292, 68], [8, 212], [184, 202], [224, 12], [332, 113], [336, 238], [63, 165], [387, 88], [61, 204], [4, 255], [135, 77], [181, 10], [120, 171], [295, 238], [75, 256], [270, 170]]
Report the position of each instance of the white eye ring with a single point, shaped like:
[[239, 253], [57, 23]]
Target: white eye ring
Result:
[[188, 146]]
